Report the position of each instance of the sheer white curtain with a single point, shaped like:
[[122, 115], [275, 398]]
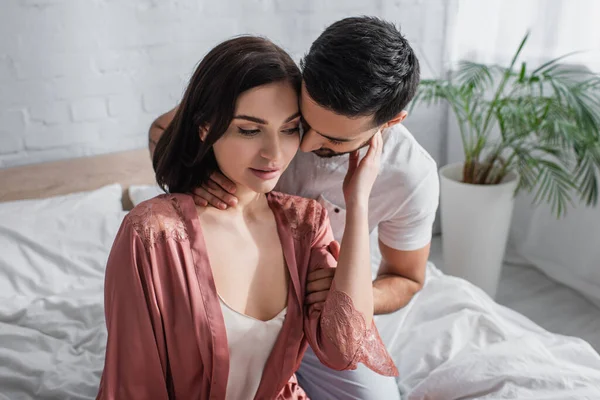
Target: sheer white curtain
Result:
[[490, 31]]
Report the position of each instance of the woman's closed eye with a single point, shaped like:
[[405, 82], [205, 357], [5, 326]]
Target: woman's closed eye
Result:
[[291, 131], [248, 132]]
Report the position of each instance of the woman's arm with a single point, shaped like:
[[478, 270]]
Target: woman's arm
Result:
[[353, 275], [133, 368], [342, 333], [337, 331]]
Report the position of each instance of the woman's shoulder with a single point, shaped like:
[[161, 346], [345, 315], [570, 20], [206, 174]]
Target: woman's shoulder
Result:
[[303, 215], [158, 218]]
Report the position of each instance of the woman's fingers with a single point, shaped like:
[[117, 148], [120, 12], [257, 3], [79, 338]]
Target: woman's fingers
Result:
[[378, 139], [375, 146], [353, 161]]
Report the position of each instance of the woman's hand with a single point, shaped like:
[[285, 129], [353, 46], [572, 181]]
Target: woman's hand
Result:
[[362, 173]]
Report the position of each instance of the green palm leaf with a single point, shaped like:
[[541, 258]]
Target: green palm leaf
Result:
[[548, 119]]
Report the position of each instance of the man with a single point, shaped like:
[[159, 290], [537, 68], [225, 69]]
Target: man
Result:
[[358, 77]]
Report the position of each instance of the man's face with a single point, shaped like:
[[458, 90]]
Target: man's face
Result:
[[328, 134]]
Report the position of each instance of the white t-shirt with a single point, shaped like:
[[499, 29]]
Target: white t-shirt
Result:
[[404, 198]]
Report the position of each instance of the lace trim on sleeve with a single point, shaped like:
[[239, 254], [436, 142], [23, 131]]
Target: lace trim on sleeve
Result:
[[346, 328]]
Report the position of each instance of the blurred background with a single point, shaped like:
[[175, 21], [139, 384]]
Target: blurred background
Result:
[[88, 77]]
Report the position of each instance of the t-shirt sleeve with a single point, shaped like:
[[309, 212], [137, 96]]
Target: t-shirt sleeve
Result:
[[410, 227]]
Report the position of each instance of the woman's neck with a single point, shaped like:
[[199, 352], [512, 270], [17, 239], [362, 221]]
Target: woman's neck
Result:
[[249, 202]]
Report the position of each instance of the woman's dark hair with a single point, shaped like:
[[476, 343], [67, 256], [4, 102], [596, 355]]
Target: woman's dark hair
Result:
[[361, 66], [182, 161]]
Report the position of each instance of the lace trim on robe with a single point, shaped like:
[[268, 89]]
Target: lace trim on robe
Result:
[[158, 219], [342, 323], [346, 328], [303, 215]]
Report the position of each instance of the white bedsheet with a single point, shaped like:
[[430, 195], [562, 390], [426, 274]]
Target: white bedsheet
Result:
[[52, 333], [450, 342], [453, 342]]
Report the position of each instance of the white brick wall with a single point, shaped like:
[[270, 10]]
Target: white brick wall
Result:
[[81, 77]]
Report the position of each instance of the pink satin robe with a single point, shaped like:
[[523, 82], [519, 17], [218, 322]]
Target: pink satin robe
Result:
[[166, 333]]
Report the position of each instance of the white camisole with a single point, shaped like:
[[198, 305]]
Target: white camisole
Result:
[[250, 342]]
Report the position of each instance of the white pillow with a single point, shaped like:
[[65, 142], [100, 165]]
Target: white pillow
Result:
[[48, 253], [140, 193], [105, 199]]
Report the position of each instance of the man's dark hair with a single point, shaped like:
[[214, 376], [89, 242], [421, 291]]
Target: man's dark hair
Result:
[[361, 66], [182, 162]]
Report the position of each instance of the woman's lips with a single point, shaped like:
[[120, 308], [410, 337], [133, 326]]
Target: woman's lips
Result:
[[265, 174]]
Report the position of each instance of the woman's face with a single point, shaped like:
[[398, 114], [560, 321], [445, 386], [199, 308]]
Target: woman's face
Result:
[[262, 138]]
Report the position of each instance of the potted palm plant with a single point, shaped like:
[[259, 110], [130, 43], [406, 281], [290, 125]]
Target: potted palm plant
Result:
[[522, 128]]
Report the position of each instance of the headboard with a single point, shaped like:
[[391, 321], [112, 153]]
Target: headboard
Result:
[[77, 175]]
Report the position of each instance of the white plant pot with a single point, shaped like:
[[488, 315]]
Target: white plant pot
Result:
[[475, 225]]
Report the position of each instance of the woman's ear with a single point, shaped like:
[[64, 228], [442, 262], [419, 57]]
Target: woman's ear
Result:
[[203, 131]]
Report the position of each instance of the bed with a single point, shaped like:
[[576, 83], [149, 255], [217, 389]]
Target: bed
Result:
[[57, 223]]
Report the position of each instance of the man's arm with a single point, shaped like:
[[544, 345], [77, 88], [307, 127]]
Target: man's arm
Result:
[[157, 129], [402, 272], [400, 277]]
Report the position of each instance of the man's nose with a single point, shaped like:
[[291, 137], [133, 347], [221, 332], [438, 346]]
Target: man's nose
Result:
[[311, 141]]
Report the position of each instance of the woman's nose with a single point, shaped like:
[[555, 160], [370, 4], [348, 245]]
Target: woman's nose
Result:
[[271, 149]]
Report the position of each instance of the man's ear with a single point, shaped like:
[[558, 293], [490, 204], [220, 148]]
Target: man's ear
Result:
[[397, 119], [203, 130]]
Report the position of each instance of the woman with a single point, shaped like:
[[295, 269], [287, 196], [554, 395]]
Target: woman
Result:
[[203, 303]]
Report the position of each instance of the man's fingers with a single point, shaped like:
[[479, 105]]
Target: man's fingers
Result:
[[320, 274], [202, 193], [200, 201], [220, 193], [334, 249], [319, 285], [317, 297], [315, 307], [222, 181]]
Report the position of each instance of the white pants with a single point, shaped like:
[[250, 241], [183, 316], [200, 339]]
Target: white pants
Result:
[[322, 383]]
